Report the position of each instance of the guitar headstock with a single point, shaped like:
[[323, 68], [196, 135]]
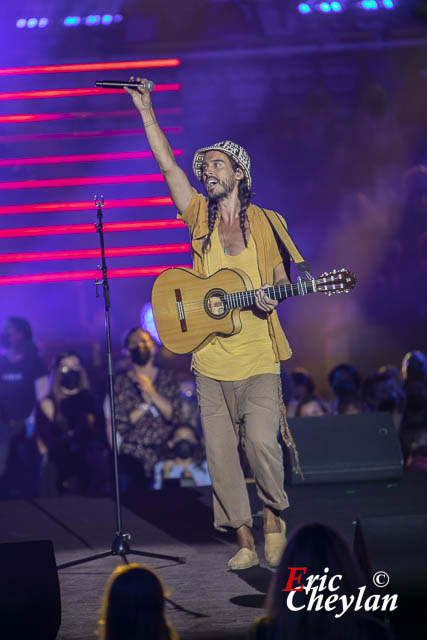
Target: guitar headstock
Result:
[[336, 281]]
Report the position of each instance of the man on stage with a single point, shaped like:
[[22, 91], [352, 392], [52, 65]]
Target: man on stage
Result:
[[238, 377]]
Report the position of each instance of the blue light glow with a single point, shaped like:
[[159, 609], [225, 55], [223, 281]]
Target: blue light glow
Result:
[[107, 19], [325, 7], [31, 23], [336, 6], [369, 5], [118, 17], [388, 4], [148, 323], [72, 21], [304, 8], [43, 22], [21, 23], [93, 20]]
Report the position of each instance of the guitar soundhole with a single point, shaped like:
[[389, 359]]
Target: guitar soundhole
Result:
[[214, 305]]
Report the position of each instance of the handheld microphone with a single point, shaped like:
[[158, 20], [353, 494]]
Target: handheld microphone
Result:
[[119, 84]]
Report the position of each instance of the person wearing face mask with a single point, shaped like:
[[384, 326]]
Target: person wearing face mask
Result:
[[185, 459], [23, 381], [70, 433], [148, 403]]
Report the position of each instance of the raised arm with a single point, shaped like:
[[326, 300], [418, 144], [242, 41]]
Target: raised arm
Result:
[[179, 186]]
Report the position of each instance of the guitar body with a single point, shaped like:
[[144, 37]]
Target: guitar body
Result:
[[188, 309]]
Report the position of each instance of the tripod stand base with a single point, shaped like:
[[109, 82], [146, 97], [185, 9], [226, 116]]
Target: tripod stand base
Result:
[[120, 547]]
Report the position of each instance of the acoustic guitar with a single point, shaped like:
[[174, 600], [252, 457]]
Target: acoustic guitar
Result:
[[190, 309]]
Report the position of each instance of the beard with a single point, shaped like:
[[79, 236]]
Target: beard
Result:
[[227, 187]]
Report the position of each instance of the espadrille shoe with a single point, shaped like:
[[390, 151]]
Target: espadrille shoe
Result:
[[274, 545], [243, 559]]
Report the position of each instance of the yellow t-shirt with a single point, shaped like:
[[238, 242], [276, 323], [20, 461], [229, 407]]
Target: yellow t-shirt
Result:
[[249, 352], [267, 257]]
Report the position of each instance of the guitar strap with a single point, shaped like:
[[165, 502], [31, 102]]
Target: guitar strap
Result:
[[281, 232]]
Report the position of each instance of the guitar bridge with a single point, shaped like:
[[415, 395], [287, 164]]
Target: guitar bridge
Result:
[[180, 310]]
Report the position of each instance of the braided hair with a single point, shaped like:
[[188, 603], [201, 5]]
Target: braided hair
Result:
[[244, 195]]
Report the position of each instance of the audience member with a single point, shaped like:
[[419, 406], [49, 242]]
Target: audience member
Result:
[[414, 373], [185, 459], [302, 386], [345, 382], [315, 546], [148, 403], [134, 606], [394, 373], [23, 381], [311, 406], [350, 406], [380, 394], [70, 433], [190, 405]]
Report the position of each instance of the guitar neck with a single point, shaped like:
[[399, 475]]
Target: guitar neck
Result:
[[276, 292]]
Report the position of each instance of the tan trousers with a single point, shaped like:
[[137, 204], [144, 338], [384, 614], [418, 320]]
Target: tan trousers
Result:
[[248, 409]]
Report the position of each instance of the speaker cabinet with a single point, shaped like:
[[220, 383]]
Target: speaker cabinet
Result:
[[344, 448], [30, 603]]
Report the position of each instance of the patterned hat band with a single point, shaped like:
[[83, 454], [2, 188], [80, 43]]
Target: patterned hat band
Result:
[[232, 149]]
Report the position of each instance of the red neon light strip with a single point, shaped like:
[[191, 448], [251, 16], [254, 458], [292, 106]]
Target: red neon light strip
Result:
[[92, 66], [82, 115], [82, 254], [134, 272], [79, 182], [84, 134], [87, 157], [68, 229], [46, 207], [66, 93]]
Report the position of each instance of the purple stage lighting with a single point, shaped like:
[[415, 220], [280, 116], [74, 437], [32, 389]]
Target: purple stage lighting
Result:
[[325, 7], [107, 19], [148, 323], [304, 8], [336, 7], [93, 20], [388, 4], [369, 5], [72, 21], [31, 23], [21, 23]]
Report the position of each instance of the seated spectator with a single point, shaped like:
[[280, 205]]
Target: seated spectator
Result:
[[345, 382], [311, 406], [315, 546], [302, 386], [350, 406], [148, 403], [394, 374], [185, 459], [190, 406], [414, 366], [414, 372], [70, 433], [379, 394], [413, 435], [134, 606], [23, 381]]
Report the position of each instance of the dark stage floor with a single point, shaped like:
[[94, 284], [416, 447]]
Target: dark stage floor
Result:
[[206, 601]]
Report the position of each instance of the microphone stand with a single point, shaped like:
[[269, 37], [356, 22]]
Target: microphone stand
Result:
[[121, 542]]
